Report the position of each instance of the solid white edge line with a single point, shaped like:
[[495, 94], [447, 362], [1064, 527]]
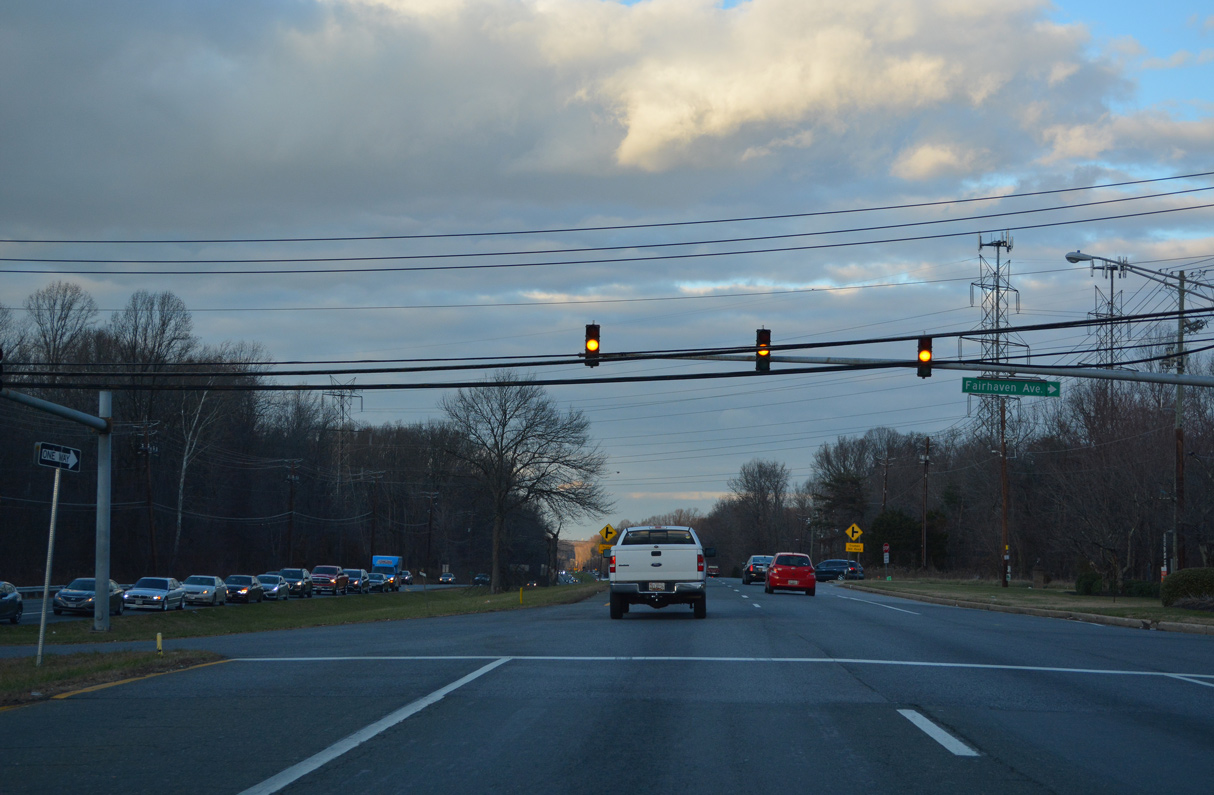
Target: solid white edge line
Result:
[[878, 604], [951, 743], [298, 771]]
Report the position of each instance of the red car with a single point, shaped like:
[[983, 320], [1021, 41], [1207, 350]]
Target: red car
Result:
[[330, 578], [791, 571]]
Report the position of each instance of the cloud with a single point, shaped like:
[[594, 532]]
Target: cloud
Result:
[[930, 161]]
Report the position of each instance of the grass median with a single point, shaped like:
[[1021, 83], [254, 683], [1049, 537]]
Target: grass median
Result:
[[1061, 597], [300, 613], [22, 683]]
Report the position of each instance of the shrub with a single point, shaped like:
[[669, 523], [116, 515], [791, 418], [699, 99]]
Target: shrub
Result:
[[1088, 583], [1141, 588], [1187, 584]]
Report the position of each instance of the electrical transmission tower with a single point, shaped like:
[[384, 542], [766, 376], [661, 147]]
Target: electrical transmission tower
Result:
[[995, 286]]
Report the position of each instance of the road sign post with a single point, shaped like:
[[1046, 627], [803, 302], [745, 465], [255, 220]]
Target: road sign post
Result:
[[885, 554], [58, 458]]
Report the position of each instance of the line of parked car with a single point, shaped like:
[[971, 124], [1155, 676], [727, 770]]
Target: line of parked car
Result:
[[167, 593]]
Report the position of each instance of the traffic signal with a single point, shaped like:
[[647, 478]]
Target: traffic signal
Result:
[[925, 357], [762, 350], [592, 345]]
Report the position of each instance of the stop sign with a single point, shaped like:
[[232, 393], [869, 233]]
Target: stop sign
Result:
[[885, 548]]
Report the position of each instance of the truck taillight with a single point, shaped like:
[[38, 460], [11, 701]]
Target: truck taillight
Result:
[[699, 563], [611, 564]]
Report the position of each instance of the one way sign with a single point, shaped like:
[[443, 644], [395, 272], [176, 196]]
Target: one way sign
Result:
[[56, 456]]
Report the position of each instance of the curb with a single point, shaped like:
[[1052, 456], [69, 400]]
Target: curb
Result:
[[1090, 618]]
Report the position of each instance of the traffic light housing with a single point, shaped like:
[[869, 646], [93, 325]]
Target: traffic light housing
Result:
[[762, 350], [925, 357], [592, 345]]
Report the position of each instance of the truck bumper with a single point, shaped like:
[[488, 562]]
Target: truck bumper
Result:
[[674, 593]]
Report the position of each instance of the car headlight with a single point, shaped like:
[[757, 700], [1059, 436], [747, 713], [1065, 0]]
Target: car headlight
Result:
[[157, 596]]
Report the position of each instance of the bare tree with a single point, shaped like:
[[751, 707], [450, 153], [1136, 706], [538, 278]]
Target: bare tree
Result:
[[60, 316], [761, 492], [526, 452]]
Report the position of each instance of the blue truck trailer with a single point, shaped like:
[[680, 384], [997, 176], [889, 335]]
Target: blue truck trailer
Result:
[[389, 566]]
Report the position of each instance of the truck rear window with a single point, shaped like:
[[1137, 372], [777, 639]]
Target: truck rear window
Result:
[[657, 537]]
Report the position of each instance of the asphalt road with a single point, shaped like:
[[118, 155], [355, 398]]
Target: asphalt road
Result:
[[844, 692]]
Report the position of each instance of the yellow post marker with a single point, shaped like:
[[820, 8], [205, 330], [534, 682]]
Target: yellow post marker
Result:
[[159, 647], [520, 595]]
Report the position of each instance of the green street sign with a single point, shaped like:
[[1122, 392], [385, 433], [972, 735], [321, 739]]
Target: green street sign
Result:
[[1012, 387]]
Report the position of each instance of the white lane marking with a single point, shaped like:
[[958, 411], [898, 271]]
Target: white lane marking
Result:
[[296, 772], [1198, 678], [878, 604], [755, 604], [954, 746], [744, 596], [1184, 678]]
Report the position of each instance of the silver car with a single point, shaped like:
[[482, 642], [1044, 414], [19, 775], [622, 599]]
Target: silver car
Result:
[[155, 593], [203, 589], [274, 586]]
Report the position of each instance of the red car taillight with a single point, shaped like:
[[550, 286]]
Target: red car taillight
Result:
[[611, 564], [699, 563]]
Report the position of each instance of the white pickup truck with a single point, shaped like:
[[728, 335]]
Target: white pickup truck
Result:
[[658, 566]]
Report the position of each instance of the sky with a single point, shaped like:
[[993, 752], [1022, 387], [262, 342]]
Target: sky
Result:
[[472, 131]]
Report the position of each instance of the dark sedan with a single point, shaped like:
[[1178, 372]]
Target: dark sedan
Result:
[[77, 597], [299, 581], [831, 570], [11, 606], [359, 580], [244, 588], [481, 579]]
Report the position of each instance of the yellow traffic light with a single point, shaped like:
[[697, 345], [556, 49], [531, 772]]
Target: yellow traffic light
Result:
[[925, 357]]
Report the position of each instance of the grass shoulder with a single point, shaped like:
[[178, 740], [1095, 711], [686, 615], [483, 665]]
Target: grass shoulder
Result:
[[301, 613], [1060, 597]]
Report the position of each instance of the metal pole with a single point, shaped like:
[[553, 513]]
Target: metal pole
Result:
[[46, 583], [101, 571], [927, 447], [1006, 574]]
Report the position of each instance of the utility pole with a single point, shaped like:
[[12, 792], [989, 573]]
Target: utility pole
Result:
[[927, 449], [146, 451], [429, 522], [1178, 536], [885, 481], [1005, 574], [292, 479]]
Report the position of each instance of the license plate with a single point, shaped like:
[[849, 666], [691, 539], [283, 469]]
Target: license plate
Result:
[[657, 586], [794, 582]]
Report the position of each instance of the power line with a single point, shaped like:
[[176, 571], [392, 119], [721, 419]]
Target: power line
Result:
[[554, 263], [615, 227]]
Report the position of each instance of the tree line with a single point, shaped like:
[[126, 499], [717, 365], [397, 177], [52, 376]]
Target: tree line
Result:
[[222, 481], [1091, 482]]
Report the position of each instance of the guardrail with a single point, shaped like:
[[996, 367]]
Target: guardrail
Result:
[[36, 590]]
